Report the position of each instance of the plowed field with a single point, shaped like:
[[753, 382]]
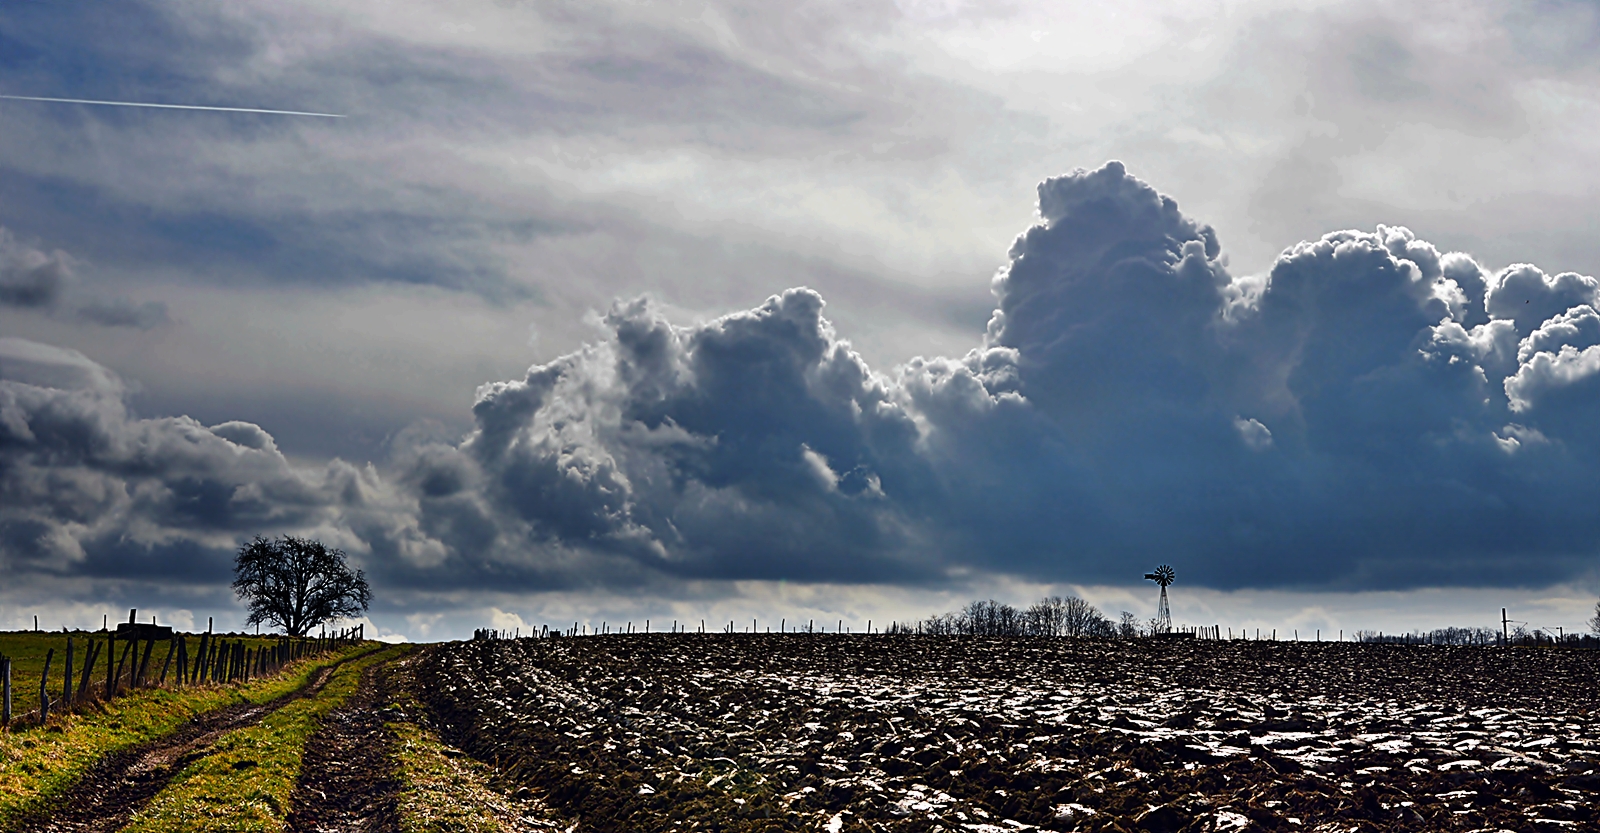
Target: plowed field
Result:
[[897, 733]]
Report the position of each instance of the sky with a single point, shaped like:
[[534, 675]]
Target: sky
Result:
[[605, 312]]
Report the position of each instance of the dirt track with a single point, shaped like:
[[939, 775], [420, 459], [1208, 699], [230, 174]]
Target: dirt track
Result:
[[123, 782], [347, 782]]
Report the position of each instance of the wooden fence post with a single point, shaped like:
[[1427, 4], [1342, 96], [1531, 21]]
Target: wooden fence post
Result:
[[122, 664], [144, 664], [91, 652], [172, 648], [200, 659], [44, 687], [111, 659]]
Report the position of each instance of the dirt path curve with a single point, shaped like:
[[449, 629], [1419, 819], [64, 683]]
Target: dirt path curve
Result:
[[347, 780], [123, 782]]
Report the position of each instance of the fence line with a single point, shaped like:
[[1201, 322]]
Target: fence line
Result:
[[219, 660]]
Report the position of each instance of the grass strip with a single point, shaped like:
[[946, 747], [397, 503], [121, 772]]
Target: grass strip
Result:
[[28, 649], [443, 791], [246, 781], [39, 764]]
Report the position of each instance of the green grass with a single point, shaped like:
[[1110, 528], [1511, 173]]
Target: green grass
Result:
[[444, 792], [247, 780], [39, 764], [27, 650]]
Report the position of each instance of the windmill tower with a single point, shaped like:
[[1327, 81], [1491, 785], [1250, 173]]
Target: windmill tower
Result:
[[1163, 576]]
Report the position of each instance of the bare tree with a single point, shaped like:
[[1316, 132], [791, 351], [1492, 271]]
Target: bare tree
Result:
[[1045, 617], [945, 624], [1079, 618], [1051, 616], [1594, 624], [1128, 627], [990, 618], [297, 584]]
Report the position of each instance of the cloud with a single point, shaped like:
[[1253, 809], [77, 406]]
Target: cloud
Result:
[[89, 489], [1254, 434], [1099, 421], [1368, 413], [1526, 296], [30, 277], [755, 443]]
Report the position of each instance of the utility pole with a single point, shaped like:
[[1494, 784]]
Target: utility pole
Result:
[[1505, 627]]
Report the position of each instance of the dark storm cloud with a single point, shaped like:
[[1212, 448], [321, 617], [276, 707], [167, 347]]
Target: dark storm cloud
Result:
[[1369, 413], [686, 450], [87, 488]]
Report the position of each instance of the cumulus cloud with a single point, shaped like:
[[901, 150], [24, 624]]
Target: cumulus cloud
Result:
[[1370, 412], [751, 445], [88, 488], [1527, 296], [1100, 420]]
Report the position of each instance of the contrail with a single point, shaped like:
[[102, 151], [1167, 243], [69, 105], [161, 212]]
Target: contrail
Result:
[[173, 106]]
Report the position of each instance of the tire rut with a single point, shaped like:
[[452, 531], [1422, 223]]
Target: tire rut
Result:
[[347, 779], [122, 783]]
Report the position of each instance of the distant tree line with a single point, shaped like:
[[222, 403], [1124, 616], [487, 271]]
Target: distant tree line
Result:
[[1519, 635], [1439, 636], [1051, 616]]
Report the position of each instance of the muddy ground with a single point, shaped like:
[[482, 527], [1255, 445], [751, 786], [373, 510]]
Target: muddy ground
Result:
[[348, 782], [903, 733]]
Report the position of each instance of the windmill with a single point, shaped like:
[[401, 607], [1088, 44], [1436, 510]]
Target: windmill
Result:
[[1163, 576]]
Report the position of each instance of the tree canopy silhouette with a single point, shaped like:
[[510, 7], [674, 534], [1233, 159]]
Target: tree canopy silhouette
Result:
[[297, 584]]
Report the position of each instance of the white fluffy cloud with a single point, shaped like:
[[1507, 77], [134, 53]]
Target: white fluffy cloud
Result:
[[1368, 413]]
